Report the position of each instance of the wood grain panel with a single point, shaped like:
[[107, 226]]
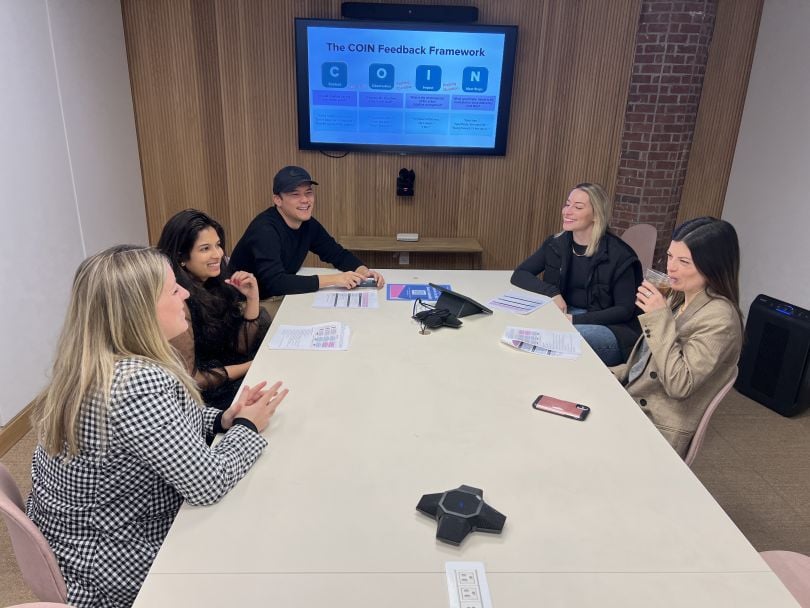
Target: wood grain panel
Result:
[[214, 89], [721, 106]]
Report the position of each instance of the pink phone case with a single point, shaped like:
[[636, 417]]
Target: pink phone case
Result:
[[569, 409]]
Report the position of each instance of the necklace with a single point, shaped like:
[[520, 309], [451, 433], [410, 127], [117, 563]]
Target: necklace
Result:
[[574, 251], [683, 306]]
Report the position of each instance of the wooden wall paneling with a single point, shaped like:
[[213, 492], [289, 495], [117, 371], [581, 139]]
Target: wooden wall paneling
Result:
[[721, 106], [214, 88], [209, 93], [177, 154], [580, 85], [234, 111]]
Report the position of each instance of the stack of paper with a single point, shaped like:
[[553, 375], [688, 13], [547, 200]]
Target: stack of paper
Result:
[[325, 336], [522, 303], [357, 298], [563, 344]]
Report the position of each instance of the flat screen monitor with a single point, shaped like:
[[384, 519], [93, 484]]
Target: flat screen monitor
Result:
[[404, 87]]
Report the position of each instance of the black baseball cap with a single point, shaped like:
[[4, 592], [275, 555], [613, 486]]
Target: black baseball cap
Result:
[[289, 178]]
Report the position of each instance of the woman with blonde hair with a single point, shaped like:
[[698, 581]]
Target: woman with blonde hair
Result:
[[121, 437], [590, 273]]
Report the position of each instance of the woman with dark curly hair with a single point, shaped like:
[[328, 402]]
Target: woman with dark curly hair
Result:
[[226, 323]]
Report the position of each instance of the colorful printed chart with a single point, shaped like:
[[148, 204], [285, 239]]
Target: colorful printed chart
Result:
[[413, 291]]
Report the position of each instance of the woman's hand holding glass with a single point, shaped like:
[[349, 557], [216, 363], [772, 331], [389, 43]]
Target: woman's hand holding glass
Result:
[[648, 298]]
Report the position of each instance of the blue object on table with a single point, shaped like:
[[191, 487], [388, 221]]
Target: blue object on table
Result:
[[412, 291]]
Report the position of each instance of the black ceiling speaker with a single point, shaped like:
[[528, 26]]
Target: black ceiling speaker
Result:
[[436, 13]]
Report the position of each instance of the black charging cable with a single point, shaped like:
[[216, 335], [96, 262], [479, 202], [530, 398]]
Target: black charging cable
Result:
[[431, 317]]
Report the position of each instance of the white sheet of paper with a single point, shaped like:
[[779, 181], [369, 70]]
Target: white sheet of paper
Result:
[[521, 303], [356, 298], [536, 350], [325, 336], [567, 344]]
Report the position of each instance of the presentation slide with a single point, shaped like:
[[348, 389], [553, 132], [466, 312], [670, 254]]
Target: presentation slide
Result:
[[421, 88]]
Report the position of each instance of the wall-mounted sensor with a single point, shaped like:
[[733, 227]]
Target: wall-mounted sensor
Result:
[[405, 182]]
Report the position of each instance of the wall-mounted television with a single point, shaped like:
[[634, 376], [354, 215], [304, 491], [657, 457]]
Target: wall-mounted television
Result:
[[404, 87]]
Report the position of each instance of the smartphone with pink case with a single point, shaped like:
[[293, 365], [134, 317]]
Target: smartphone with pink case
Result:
[[569, 409]]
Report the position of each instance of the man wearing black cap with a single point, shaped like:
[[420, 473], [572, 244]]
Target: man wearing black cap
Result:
[[278, 239]]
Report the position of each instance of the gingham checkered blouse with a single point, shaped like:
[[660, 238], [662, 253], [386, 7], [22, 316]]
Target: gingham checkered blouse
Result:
[[106, 511]]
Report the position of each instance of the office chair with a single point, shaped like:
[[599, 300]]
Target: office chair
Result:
[[700, 433], [40, 605], [641, 238], [35, 558], [793, 569]]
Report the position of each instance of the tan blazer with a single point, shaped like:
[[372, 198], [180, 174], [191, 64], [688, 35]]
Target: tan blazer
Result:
[[690, 359]]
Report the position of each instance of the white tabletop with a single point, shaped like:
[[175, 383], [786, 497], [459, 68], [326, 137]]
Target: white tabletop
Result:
[[599, 513]]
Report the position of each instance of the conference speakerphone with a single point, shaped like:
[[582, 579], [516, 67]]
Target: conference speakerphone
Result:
[[459, 512]]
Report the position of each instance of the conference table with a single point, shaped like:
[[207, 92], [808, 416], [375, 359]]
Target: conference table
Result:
[[599, 513]]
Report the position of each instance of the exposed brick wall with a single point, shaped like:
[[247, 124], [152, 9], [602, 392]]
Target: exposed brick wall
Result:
[[672, 44]]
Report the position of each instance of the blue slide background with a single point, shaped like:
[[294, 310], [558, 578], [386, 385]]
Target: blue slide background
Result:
[[360, 114]]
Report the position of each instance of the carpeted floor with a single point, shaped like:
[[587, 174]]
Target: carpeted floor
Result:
[[755, 463]]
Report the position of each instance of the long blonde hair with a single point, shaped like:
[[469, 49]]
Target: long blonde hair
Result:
[[602, 206], [111, 315]]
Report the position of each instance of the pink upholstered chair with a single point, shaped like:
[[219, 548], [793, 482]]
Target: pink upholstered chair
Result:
[[641, 238], [700, 433], [793, 569], [40, 605], [35, 558]]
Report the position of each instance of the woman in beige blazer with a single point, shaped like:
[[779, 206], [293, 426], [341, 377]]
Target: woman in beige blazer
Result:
[[691, 342]]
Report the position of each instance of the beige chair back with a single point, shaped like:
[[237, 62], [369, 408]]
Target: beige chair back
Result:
[[641, 238]]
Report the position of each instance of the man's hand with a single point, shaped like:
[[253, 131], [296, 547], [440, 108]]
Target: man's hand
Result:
[[347, 280], [560, 302], [371, 274]]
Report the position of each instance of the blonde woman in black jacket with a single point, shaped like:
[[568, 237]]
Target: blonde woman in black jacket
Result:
[[590, 273]]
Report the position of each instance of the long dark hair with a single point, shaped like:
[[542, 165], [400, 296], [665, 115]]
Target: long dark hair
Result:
[[214, 305], [716, 254]]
